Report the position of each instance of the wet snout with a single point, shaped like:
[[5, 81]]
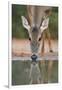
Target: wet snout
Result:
[[34, 57]]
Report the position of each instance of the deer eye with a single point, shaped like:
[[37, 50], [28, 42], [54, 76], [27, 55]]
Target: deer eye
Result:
[[29, 38], [40, 39]]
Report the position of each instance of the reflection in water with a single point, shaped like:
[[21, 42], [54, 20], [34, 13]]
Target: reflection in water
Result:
[[35, 75], [26, 72]]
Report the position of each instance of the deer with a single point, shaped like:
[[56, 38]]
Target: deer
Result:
[[36, 24]]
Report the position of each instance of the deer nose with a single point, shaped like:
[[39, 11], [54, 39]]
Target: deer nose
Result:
[[34, 57]]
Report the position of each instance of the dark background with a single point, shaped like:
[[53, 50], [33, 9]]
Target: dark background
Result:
[[17, 28]]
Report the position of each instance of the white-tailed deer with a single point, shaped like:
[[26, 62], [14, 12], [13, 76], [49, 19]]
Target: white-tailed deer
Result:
[[36, 26]]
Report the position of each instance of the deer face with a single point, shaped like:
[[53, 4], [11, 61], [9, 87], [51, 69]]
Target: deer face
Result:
[[35, 34], [35, 38]]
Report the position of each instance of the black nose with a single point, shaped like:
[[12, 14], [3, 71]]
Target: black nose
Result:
[[34, 57]]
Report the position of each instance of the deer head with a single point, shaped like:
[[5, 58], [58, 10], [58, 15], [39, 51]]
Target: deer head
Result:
[[36, 26]]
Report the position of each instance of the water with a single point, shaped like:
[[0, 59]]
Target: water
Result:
[[35, 75], [25, 72]]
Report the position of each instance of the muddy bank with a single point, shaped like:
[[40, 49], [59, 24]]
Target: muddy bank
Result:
[[22, 47]]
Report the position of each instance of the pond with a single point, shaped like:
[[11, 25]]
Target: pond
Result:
[[21, 72]]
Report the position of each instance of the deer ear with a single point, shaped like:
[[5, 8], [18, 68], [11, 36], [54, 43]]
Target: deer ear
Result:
[[44, 25], [25, 23]]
